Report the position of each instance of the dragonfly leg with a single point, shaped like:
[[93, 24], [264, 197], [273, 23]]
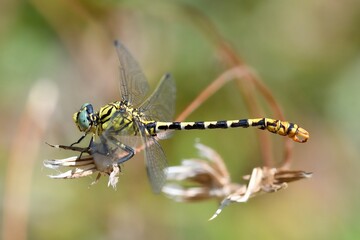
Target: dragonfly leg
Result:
[[130, 153], [85, 149], [129, 150], [72, 148], [78, 141], [76, 149]]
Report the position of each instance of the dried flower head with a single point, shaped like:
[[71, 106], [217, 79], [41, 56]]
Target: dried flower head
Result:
[[84, 165], [198, 179], [201, 179]]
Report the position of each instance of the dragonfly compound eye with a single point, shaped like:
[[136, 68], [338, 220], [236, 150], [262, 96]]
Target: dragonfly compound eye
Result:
[[83, 118]]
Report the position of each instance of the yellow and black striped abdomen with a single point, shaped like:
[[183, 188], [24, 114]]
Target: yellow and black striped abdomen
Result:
[[283, 128]]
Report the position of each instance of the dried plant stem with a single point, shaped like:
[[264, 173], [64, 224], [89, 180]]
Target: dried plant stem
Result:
[[246, 89], [209, 91], [23, 154], [231, 74]]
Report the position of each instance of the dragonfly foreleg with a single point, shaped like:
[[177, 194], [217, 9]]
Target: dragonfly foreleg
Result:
[[76, 149], [80, 139], [72, 148], [130, 153], [129, 150]]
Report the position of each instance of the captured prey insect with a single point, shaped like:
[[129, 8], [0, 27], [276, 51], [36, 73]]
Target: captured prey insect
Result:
[[122, 125]]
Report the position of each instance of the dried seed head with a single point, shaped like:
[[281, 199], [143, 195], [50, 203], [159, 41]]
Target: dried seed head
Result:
[[82, 166], [202, 179]]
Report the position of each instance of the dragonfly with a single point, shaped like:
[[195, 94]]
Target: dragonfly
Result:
[[119, 127]]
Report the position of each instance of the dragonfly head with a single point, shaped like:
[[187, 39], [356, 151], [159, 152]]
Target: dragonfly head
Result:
[[86, 119]]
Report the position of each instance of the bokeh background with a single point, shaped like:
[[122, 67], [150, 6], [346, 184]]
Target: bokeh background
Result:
[[56, 55]]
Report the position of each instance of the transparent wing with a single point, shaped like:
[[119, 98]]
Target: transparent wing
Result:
[[160, 105], [155, 161], [133, 83], [105, 153], [106, 149], [126, 134], [156, 164]]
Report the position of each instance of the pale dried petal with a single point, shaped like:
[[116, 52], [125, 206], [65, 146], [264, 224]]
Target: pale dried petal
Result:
[[198, 179], [181, 194], [68, 162], [242, 194], [179, 173], [113, 178], [74, 173], [215, 160], [82, 167], [262, 180]]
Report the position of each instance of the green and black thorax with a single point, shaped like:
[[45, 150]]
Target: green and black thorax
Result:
[[118, 116]]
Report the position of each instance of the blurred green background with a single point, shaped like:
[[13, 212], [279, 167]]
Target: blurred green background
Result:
[[306, 52]]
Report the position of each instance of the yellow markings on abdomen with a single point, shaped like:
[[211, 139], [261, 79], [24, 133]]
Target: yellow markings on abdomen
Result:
[[282, 128]]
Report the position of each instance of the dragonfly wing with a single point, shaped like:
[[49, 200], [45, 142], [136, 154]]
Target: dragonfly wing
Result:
[[155, 161], [127, 134], [105, 153], [133, 83], [107, 147], [160, 105]]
